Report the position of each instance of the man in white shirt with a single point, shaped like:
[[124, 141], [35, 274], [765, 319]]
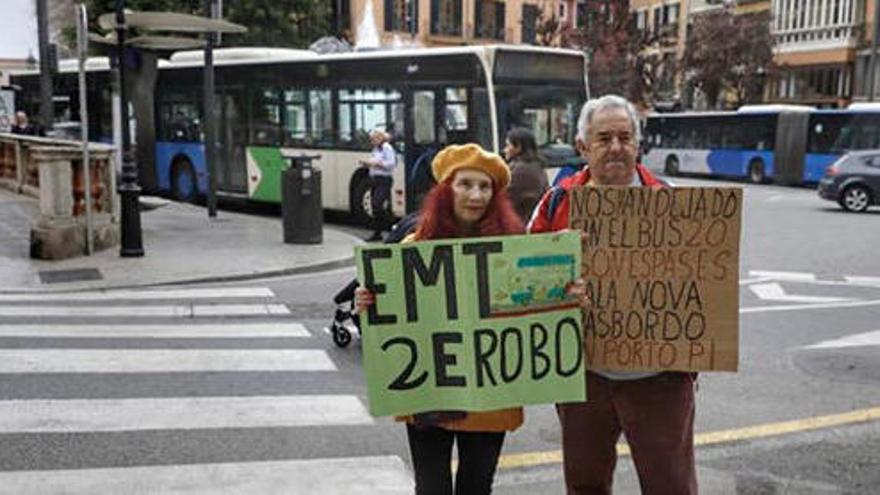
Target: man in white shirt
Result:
[[381, 164]]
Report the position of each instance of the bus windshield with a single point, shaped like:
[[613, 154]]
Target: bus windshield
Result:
[[550, 112]]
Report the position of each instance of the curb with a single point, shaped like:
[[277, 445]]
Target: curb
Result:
[[241, 277], [301, 270]]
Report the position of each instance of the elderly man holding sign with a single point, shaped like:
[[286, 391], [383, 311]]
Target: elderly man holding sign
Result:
[[660, 267], [466, 322]]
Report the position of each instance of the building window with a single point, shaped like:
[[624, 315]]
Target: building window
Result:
[[580, 18], [530, 15], [446, 17], [489, 19], [670, 14], [658, 19], [642, 19], [402, 15], [563, 12]]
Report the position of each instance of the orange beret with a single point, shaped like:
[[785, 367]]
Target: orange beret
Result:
[[456, 157]]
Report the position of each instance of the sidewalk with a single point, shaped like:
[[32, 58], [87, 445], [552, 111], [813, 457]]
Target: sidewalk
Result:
[[181, 244]]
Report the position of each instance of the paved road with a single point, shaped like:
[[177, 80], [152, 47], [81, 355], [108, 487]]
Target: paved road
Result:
[[237, 389]]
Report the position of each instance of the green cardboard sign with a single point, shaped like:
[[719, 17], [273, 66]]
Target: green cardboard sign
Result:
[[472, 324]]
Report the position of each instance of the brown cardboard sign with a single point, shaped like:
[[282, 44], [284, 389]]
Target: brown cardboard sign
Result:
[[662, 274]]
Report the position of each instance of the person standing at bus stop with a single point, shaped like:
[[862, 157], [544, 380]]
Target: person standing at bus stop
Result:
[[654, 410], [381, 164], [527, 179], [469, 200]]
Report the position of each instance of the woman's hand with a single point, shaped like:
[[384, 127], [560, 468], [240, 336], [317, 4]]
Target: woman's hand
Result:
[[363, 299]]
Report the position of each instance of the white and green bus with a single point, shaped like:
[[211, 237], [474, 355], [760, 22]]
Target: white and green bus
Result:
[[276, 102]]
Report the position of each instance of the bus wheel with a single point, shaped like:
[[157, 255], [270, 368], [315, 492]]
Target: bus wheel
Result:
[[671, 165], [361, 209], [184, 187], [756, 172], [855, 198]]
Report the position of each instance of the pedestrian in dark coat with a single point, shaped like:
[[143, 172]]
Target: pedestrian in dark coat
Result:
[[527, 178]]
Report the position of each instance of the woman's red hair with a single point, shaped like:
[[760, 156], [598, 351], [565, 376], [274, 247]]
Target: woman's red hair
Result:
[[437, 218]]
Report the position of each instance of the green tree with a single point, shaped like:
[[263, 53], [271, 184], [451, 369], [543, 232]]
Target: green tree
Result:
[[280, 23]]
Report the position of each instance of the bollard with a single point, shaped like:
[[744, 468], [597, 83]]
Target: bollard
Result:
[[302, 214]]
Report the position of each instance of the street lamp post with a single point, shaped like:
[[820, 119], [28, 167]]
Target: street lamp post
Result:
[[209, 119], [47, 111], [131, 244]]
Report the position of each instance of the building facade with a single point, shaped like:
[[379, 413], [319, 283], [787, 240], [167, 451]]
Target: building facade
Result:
[[817, 43], [8, 65], [445, 22], [862, 80]]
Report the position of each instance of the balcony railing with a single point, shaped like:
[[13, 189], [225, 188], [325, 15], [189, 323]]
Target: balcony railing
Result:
[[817, 38], [489, 32], [446, 28]]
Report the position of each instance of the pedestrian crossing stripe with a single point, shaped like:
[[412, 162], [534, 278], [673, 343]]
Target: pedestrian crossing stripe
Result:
[[866, 339], [142, 311], [179, 413], [125, 330], [146, 294], [376, 475], [161, 360]]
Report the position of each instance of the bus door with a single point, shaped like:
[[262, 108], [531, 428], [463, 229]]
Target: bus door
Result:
[[232, 138], [421, 143]]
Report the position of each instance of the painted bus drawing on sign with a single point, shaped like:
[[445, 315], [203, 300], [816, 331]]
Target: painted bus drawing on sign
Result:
[[536, 283]]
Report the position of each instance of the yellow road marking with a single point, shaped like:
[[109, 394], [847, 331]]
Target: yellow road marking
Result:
[[528, 459]]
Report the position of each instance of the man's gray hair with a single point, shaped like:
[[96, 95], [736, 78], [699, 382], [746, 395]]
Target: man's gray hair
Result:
[[605, 103]]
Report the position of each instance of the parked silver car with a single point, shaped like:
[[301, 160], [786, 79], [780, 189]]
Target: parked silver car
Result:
[[853, 181]]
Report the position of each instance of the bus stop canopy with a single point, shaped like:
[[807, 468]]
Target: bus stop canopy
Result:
[[172, 22], [151, 42]]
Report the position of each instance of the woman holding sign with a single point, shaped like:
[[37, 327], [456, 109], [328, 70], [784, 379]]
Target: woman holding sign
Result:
[[469, 200]]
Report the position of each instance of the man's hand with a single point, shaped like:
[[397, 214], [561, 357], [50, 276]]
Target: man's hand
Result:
[[578, 287]]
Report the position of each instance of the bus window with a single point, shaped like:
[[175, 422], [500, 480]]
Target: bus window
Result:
[[828, 133], [266, 118], [866, 137], [482, 127], [456, 109], [179, 121], [362, 110], [549, 112], [424, 117], [294, 116], [731, 135], [320, 118]]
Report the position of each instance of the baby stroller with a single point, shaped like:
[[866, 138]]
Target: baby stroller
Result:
[[344, 299]]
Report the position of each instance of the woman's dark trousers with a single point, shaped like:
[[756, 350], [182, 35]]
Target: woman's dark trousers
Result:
[[380, 203], [431, 450]]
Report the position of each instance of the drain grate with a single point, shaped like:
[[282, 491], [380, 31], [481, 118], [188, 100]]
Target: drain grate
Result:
[[62, 276]]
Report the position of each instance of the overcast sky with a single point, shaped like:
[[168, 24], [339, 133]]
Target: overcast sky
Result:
[[18, 29]]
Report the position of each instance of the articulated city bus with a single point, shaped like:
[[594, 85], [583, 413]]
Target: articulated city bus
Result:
[[277, 102], [786, 144]]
